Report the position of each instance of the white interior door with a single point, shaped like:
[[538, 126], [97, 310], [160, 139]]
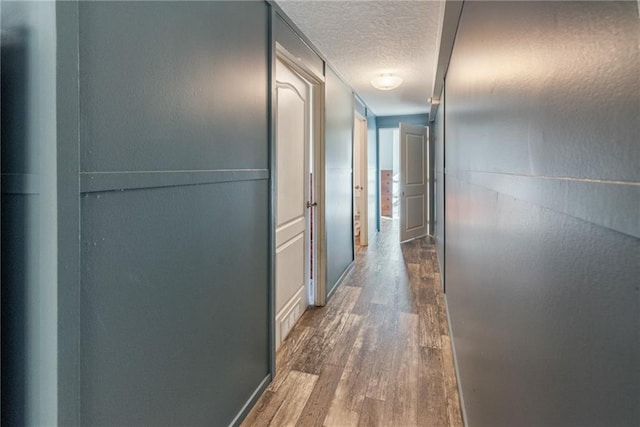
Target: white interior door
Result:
[[414, 188], [292, 187], [357, 185], [360, 177]]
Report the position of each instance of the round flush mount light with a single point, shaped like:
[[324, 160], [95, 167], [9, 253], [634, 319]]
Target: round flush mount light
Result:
[[386, 82]]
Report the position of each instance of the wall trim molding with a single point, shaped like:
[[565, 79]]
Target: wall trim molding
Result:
[[246, 408], [577, 198], [68, 220], [446, 40], [343, 276], [92, 182], [455, 360]]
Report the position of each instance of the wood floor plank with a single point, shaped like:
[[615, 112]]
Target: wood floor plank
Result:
[[345, 406], [410, 252], [443, 322], [339, 354], [371, 414], [263, 411], [352, 389], [289, 352], [432, 410], [379, 289], [317, 406], [296, 390], [342, 301], [378, 354], [282, 407], [416, 287], [380, 296], [349, 299], [312, 317], [429, 327], [324, 341], [381, 370], [401, 408], [404, 299]]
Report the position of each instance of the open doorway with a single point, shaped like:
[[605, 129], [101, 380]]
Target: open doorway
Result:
[[360, 183], [389, 141]]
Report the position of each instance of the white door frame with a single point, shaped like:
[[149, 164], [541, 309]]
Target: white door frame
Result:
[[361, 122], [292, 218], [317, 295]]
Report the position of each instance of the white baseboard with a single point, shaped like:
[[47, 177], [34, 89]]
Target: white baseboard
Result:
[[287, 317]]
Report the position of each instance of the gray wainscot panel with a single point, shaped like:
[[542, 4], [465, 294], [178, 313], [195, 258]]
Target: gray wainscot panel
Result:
[[339, 179], [173, 85], [174, 211], [174, 303]]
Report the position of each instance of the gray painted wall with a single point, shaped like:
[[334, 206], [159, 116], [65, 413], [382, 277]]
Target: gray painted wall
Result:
[[338, 179], [29, 211], [138, 177], [542, 225], [174, 272]]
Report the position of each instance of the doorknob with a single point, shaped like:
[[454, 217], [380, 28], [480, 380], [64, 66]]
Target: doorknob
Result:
[[309, 204]]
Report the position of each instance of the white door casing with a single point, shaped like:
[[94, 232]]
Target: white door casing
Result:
[[357, 189], [292, 172], [414, 184]]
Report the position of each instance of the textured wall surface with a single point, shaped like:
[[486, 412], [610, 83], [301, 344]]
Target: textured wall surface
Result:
[[174, 271], [338, 164], [542, 225]]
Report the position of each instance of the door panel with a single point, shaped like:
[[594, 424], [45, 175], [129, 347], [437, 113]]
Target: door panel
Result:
[[289, 269], [290, 154], [415, 216], [292, 172], [289, 230], [414, 207], [415, 159]]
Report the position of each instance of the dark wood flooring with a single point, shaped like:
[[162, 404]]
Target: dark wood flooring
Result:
[[378, 354]]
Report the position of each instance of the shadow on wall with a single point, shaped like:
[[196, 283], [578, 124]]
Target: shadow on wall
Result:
[[15, 222]]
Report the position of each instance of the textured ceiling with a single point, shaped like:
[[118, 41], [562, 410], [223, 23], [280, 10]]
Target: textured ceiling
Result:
[[362, 39]]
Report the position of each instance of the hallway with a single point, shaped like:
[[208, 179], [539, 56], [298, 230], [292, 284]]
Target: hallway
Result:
[[379, 353]]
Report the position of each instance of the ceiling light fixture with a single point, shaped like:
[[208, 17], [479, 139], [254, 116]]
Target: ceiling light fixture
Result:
[[386, 82]]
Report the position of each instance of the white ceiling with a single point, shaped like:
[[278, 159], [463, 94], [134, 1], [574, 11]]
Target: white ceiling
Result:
[[362, 39]]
